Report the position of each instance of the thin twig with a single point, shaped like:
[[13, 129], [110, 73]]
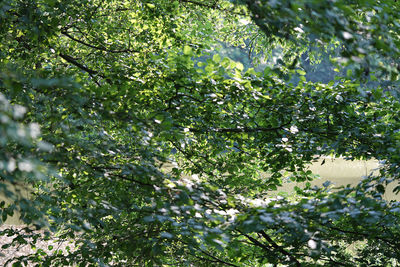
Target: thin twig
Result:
[[213, 6], [279, 248], [98, 47]]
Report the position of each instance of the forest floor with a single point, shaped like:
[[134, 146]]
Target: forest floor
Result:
[[7, 254]]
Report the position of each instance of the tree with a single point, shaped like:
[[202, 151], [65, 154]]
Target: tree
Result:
[[159, 148]]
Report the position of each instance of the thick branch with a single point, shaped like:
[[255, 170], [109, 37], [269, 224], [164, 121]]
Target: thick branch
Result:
[[91, 72], [77, 64], [256, 242]]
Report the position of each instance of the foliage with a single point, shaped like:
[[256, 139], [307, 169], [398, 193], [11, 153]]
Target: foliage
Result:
[[19, 167], [160, 145]]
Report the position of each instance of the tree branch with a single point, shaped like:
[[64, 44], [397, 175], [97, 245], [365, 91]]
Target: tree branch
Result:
[[216, 259], [256, 242], [273, 244], [209, 255], [240, 130], [131, 180], [236, 130], [213, 6], [366, 235], [279, 248], [121, 176], [98, 47], [77, 64]]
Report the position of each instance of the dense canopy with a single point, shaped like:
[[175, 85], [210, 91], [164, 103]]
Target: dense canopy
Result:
[[158, 147]]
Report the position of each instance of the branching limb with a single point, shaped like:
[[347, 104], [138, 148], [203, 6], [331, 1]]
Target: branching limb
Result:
[[279, 248], [98, 47], [74, 62], [216, 259]]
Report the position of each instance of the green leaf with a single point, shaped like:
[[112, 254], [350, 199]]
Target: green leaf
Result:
[[239, 66], [187, 50], [301, 72], [149, 5], [216, 58]]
